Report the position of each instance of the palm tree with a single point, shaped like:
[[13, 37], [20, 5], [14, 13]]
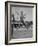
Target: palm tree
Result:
[[21, 18]]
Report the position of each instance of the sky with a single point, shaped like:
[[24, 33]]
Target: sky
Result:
[[27, 13]]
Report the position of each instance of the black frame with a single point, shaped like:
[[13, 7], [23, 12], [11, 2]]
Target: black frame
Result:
[[6, 22]]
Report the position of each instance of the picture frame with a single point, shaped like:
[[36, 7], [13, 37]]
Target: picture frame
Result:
[[20, 22]]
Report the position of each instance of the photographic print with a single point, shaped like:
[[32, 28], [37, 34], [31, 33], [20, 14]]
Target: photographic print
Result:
[[21, 22]]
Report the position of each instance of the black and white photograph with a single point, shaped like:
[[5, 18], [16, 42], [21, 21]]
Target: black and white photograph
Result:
[[21, 22]]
